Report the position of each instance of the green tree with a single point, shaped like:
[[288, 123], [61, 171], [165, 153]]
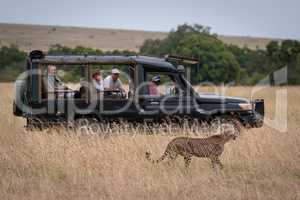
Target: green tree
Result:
[[217, 64]]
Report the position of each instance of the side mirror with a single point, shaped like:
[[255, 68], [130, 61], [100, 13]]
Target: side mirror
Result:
[[181, 69]]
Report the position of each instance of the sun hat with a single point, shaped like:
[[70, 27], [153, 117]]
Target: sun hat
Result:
[[115, 71], [156, 79]]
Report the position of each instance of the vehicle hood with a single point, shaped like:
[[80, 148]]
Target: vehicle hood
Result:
[[216, 98]]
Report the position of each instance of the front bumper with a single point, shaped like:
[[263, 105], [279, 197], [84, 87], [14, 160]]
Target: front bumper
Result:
[[255, 117]]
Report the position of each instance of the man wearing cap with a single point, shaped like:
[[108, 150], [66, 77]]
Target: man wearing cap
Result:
[[112, 82], [153, 86]]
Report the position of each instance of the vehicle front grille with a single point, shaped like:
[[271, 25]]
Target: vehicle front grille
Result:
[[260, 107]]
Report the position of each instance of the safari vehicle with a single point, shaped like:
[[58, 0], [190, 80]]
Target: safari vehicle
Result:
[[36, 104]]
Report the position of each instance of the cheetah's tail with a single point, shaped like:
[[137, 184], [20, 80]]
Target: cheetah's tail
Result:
[[148, 157]]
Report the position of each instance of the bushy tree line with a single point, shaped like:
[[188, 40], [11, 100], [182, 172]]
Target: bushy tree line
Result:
[[79, 50], [12, 62], [219, 62]]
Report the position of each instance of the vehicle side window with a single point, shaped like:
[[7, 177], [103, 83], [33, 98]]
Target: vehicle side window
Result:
[[165, 86]]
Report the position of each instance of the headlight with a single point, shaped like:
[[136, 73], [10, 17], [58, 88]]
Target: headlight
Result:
[[246, 106]]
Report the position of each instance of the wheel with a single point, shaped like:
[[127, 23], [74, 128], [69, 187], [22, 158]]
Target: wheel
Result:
[[34, 124]]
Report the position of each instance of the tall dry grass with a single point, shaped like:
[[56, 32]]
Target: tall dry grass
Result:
[[260, 164]]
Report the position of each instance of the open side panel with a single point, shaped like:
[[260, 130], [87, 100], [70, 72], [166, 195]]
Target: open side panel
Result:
[[35, 83]]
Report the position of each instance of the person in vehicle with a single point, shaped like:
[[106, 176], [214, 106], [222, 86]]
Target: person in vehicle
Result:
[[97, 81], [112, 82], [53, 81], [153, 86]]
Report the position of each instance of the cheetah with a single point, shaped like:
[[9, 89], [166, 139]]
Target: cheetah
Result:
[[211, 147]]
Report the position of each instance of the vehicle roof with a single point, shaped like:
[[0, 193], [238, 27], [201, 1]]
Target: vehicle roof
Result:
[[149, 62]]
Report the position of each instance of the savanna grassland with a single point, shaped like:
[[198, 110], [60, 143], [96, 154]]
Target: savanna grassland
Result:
[[261, 164]]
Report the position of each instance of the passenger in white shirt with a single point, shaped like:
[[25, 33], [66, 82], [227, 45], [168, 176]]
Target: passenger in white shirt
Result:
[[97, 81], [112, 82]]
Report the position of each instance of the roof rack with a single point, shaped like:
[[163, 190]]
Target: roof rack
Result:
[[180, 59]]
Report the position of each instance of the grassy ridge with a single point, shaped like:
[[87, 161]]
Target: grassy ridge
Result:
[[29, 37]]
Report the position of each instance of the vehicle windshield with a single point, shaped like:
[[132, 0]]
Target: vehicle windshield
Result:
[[161, 84]]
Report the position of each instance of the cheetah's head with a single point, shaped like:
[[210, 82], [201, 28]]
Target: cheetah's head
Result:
[[229, 135]]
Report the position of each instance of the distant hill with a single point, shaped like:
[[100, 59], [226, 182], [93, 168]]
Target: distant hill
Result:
[[29, 37]]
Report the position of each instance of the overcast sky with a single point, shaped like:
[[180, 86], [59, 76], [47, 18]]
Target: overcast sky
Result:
[[266, 18]]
